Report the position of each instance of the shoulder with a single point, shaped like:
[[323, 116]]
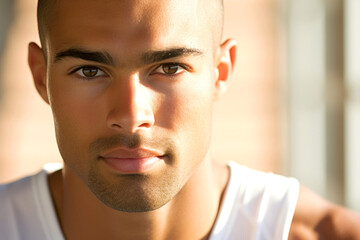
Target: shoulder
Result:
[[317, 218], [264, 203], [26, 209], [14, 198], [22, 206], [9, 192], [22, 187], [253, 182]]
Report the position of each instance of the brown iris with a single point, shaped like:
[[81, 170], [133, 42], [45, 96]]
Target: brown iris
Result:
[[90, 71], [170, 68]]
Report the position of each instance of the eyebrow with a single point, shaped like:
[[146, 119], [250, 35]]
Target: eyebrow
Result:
[[101, 57], [158, 56], [145, 58]]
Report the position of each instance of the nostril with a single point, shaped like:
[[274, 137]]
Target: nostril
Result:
[[114, 125], [145, 125], [130, 122]]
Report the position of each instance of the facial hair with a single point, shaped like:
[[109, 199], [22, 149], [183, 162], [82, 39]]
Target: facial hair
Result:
[[134, 192]]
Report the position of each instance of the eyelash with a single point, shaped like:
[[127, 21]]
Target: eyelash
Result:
[[81, 68], [171, 64], [159, 67]]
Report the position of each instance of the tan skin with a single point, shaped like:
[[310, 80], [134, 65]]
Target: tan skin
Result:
[[149, 99], [317, 218]]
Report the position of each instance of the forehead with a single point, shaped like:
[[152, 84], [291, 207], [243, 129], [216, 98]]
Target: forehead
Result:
[[129, 26]]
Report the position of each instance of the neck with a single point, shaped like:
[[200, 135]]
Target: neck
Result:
[[190, 215]]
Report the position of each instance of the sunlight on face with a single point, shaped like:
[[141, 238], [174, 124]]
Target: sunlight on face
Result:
[[137, 77]]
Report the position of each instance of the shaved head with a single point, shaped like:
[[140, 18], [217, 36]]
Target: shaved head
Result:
[[173, 49], [46, 13]]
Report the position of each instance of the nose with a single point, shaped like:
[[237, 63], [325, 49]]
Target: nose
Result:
[[131, 106]]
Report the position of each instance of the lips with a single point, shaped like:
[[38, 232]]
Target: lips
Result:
[[130, 153], [136, 161]]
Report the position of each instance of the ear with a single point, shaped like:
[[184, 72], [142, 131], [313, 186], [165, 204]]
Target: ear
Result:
[[37, 64], [224, 66]]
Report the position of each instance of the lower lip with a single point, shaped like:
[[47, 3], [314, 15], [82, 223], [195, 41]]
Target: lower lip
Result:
[[133, 165]]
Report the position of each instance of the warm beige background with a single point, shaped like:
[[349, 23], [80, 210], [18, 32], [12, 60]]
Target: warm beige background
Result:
[[246, 122]]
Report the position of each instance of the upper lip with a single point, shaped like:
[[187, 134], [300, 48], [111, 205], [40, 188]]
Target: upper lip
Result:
[[127, 153]]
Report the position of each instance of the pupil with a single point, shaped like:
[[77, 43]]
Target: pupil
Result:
[[90, 72], [170, 68]]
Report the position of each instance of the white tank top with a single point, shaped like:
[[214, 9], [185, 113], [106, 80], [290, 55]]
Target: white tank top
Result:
[[255, 205]]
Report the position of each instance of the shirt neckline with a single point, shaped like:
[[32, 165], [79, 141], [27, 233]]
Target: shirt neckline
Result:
[[219, 229], [45, 206]]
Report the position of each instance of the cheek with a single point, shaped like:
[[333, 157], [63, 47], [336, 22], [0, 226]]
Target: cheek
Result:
[[74, 103], [189, 104], [76, 119], [73, 113], [191, 124], [187, 114]]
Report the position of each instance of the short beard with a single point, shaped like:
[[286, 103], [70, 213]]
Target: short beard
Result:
[[134, 192]]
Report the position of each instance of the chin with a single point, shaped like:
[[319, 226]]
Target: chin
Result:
[[134, 193]]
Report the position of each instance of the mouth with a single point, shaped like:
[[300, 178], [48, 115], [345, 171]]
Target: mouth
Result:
[[132, 161]]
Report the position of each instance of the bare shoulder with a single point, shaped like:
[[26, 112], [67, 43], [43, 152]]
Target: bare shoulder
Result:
[[317, 218]]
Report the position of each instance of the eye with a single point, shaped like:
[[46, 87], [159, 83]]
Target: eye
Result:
[[170, 69], [89, 72]]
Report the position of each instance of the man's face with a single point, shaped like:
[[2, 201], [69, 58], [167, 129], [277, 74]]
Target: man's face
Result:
[[131, 86]]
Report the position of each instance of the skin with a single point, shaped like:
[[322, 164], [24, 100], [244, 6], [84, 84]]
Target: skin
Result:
[[134, 102], [317, 218]]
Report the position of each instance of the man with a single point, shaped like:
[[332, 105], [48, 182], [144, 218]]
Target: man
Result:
[[131, 85]]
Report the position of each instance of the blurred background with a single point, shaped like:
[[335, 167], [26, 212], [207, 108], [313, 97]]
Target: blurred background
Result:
[[293, 106]]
